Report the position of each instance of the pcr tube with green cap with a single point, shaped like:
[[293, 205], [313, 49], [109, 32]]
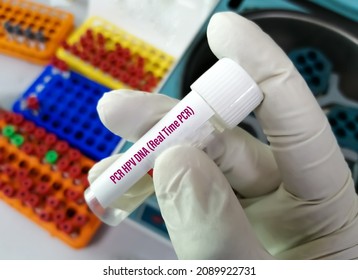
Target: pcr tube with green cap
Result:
[[220, 99]]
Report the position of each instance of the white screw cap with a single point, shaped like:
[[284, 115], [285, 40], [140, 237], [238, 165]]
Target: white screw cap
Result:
[[229, 90]]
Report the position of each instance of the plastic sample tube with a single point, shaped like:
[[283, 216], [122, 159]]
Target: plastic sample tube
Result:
[[220, 99]]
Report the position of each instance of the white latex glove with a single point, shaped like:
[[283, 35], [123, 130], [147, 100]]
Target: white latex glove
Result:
[[296, 197]]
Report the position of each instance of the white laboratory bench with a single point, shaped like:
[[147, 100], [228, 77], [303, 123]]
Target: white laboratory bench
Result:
[[20, 238]]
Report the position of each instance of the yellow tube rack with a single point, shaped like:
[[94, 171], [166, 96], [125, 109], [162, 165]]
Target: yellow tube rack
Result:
[[79, 54]]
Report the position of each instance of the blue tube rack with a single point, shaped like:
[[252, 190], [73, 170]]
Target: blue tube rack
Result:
[[67, 108]]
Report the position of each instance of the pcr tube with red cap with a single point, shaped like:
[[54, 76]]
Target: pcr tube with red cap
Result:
[[220, 99]]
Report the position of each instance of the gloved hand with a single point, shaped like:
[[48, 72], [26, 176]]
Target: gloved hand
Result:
[[241, 199]]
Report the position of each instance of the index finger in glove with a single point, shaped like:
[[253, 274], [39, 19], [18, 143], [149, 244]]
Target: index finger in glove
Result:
[[130, 113], [303, 144], [247, 163]]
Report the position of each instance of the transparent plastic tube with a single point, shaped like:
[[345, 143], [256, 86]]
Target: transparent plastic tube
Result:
[[221, 98]]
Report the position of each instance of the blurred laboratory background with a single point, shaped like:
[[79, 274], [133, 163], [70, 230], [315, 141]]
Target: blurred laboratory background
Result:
[[58, 57]]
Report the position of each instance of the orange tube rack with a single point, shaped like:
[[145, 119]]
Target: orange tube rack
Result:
[[44, 179], [32, 31]]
